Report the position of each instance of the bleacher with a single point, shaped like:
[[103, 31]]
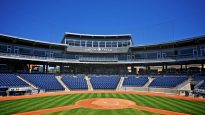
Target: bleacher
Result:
[[167, 81], [48, 82], [198, 78], [11, 80], [105, 81], [135, 81], [202, 86], [75, 82]]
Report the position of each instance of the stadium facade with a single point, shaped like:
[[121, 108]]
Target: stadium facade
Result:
[[90, 55]]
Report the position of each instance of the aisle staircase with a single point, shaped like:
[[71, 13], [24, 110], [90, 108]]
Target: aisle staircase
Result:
[[61, 82], [120, 83], [33, 86], [90, 87]]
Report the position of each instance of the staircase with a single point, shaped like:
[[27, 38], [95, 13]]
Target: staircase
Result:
[[150, 81], [33, 86], [184, 86], [197, 85], [120, 83], [90, 87], [61, 82]]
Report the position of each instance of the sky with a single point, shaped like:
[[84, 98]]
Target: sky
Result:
[[149, 21]]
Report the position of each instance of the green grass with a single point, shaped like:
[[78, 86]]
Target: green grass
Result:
[[84, 111], [23, 105]]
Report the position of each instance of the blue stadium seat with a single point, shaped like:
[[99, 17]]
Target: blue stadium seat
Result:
[[135, 82], [11, 80], [202, 86], [167, 82], [43, 81], [102, 82], [198, 78], [76, 82]]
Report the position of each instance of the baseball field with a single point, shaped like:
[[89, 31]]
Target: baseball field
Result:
[[101, 103]]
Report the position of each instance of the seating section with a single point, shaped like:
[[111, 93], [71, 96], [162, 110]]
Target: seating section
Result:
[[75, 82], [167, 82], [135, 82], [104, 82], [11, 80], [198, 78], [202, 86], [43, 81]]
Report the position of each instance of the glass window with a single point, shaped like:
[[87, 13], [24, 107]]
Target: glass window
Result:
[[151, 55], [66, 42], [114, 44], [95, 43], [71, 43], [128, 43], [25, 51], [77, 43], [202, 50], [83, 43], [89, 43], [3, 48], [108, 44], [124, 44], [102, 44], [186, 51], [119, 44]]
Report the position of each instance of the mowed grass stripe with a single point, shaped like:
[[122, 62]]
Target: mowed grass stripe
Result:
[[198, 105], [141, 100], [39, 104], [20, 107], [56, 102], [184, 107], [86, 111], [164, 104], [136, 99]]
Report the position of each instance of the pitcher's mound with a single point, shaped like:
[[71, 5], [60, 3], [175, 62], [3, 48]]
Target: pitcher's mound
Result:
[[105, 103]]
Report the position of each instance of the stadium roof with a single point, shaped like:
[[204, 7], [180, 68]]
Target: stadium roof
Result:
[[186, 41], [68, 34], [4, 37]]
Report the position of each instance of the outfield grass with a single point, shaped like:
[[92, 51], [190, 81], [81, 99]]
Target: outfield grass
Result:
[[84, 111], [23, 105]]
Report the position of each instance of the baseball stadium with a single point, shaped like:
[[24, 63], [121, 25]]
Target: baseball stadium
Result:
[[101, 74]]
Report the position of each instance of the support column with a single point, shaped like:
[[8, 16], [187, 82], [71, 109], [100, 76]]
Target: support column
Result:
[[186, 69], [133, 70], [44, 68], [47, 68], [29, 68], [147, 69], [166, 68], [181, 68], [163, 69], [61, 69], [202, 68]]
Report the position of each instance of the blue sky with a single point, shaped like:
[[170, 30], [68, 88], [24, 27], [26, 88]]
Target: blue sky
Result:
[[149, 21]]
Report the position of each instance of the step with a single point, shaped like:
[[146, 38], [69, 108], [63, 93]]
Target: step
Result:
[[33, 86], [62, 83]]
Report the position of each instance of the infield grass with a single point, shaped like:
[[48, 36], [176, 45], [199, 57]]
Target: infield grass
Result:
[[30, 104], [85, 111]]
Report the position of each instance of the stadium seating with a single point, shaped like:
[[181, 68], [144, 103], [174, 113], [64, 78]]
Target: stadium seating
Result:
[[102, 82], [11, 80], [198, 78], [75, 82], [135, 82], [167, 82], [48, 82], [202, 86]]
